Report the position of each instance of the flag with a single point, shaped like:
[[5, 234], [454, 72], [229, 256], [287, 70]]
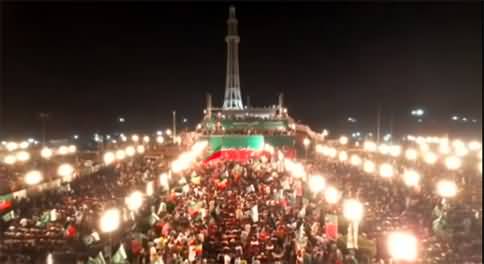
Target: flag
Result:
[[331, 226], [8, 216], [254, 214], [5, 205], [99, 259], [120, 257], [44, 219]]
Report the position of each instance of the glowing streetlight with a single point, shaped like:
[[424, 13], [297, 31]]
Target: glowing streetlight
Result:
[[411, 154], [135, 138], [411, 178], [11, 146], [475, 145], [343, 156], [343, 140], [24, 144], [168, 132], [10, 159], [130, 151], [418, 112], [444, 148], [109, 158], [120, 154], [332, 195], [134, 201], [160, 140], [353, 210], [369, 166], [386, 170], [395, 150], [33, 177], [355, 160], [65, 170], [140, 149], [46, 153], [446, 189], [63, 150], [110, 221], [370, 146], [72, 149], [23, 156], [146, 139], [430, 158], [317, 183], [453, 163], [402, 246]]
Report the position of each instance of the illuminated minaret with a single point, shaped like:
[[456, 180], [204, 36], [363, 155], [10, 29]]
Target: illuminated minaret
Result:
[[233, 98]]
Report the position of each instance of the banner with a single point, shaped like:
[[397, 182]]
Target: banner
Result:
[[331, 226]]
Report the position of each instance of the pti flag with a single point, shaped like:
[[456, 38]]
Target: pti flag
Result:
[[331, 226]]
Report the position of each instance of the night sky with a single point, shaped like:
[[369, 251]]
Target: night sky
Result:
[[87, 64]]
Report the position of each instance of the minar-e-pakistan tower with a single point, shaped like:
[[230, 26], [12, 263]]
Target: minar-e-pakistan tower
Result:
[[233, 98]]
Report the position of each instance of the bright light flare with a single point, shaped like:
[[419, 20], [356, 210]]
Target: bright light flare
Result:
[[453, 163], [411, 154], [353, 210], [135, 138], [355, 160], [395, 150], [369, 166], [23, 156], [72, 149], [10, 159], [306, 142], [343, 156], [109, 158], [134, 201], [120, 154], [343, 140], [11, 146], [160, 139], [317, 183], [46, 153], [475, 145], [24, 144], [332, 195], [430, 158], [130, 151], [33, 177], [370, 146], [63, 150], [386, 170], [110, 221], [446, 188], [411, 178], [402, 246], [65, 170], [140, 149], [146, 139]]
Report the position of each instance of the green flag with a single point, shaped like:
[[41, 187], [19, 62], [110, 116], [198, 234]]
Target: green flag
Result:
[[44, 219], [120, 257], [8, 216]]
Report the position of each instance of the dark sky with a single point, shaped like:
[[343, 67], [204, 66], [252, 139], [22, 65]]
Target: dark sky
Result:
[[86, 64]]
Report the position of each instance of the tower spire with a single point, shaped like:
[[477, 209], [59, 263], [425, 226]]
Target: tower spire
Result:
[[233, 98]]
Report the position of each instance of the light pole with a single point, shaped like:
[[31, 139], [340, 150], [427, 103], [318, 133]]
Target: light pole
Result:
[[174, 125], [43, 118]]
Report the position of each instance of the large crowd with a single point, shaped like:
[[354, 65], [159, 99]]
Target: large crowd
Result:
[[252, 211]]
